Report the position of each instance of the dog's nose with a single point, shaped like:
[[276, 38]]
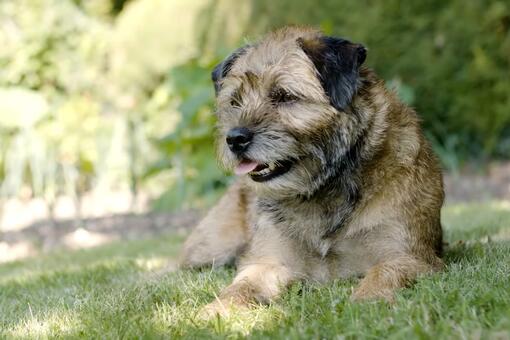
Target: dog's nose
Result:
[[238, 139]]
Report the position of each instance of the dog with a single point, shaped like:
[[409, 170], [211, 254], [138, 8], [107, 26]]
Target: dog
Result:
[[335, 178]]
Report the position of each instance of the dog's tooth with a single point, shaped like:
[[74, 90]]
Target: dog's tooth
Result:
[[265, 171]]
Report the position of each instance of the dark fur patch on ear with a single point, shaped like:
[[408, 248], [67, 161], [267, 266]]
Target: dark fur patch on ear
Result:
[[337, 62], [221, 70]]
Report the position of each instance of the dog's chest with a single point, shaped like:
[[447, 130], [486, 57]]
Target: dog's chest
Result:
[[307, 223], [327, 255]]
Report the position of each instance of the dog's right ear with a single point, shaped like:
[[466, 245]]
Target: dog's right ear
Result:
[[222, 69]]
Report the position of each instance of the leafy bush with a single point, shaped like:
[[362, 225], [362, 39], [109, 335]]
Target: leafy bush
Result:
[[49, 76], [189, 148]]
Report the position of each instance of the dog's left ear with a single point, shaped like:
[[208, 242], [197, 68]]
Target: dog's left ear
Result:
[[221, 70], [337, 62]]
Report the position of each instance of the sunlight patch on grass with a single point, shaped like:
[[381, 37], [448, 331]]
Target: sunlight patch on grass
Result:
[[82, 238], [242, 322], [16, 251], [155, 263], [502, 235], [475, 221], [45, 326]]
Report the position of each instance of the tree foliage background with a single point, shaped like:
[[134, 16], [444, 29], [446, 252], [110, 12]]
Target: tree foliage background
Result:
[[105, 94]]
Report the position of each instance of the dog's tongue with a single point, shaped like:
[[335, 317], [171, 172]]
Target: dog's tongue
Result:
[[245, 166]]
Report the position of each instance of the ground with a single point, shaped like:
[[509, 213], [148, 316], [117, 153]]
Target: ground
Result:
[[131, 289]]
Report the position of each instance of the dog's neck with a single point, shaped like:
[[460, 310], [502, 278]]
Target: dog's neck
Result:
[[340, 183], [334, 199]]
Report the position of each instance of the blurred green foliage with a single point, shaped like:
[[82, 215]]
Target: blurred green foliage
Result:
[[189, 148], [50, 112], [102, 94]]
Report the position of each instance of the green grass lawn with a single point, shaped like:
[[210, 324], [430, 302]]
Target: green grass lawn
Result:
[[130, 290]]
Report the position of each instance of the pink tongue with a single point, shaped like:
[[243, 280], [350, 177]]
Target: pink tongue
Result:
[[244, 167]]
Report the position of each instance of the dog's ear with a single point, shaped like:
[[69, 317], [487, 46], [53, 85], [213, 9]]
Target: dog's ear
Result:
[[337, 62], [221, 70]]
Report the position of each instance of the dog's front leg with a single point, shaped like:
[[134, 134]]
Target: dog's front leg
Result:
[[269, 266], [221, 235], [383, 279], [260, 283]]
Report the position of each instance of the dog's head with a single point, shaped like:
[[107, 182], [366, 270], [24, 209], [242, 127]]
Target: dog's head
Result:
[[284, 109]]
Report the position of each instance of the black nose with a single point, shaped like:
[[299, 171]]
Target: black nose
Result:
[[238, 139]]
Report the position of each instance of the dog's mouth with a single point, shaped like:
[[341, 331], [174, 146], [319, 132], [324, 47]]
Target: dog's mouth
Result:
[[262, 172]]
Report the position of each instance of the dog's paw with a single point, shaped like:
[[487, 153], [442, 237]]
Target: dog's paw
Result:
[[219, 308], [364, 293], [213, 310]]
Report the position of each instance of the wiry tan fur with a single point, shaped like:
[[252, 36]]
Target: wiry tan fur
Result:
[[276, 229]]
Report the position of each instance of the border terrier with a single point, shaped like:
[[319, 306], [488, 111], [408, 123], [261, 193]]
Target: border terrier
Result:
[[335, 178]]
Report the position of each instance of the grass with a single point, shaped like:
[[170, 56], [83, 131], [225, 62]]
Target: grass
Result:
[[129, 290]]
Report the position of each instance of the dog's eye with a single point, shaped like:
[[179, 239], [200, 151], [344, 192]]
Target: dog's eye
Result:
[[281, 96], [235, 100]]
